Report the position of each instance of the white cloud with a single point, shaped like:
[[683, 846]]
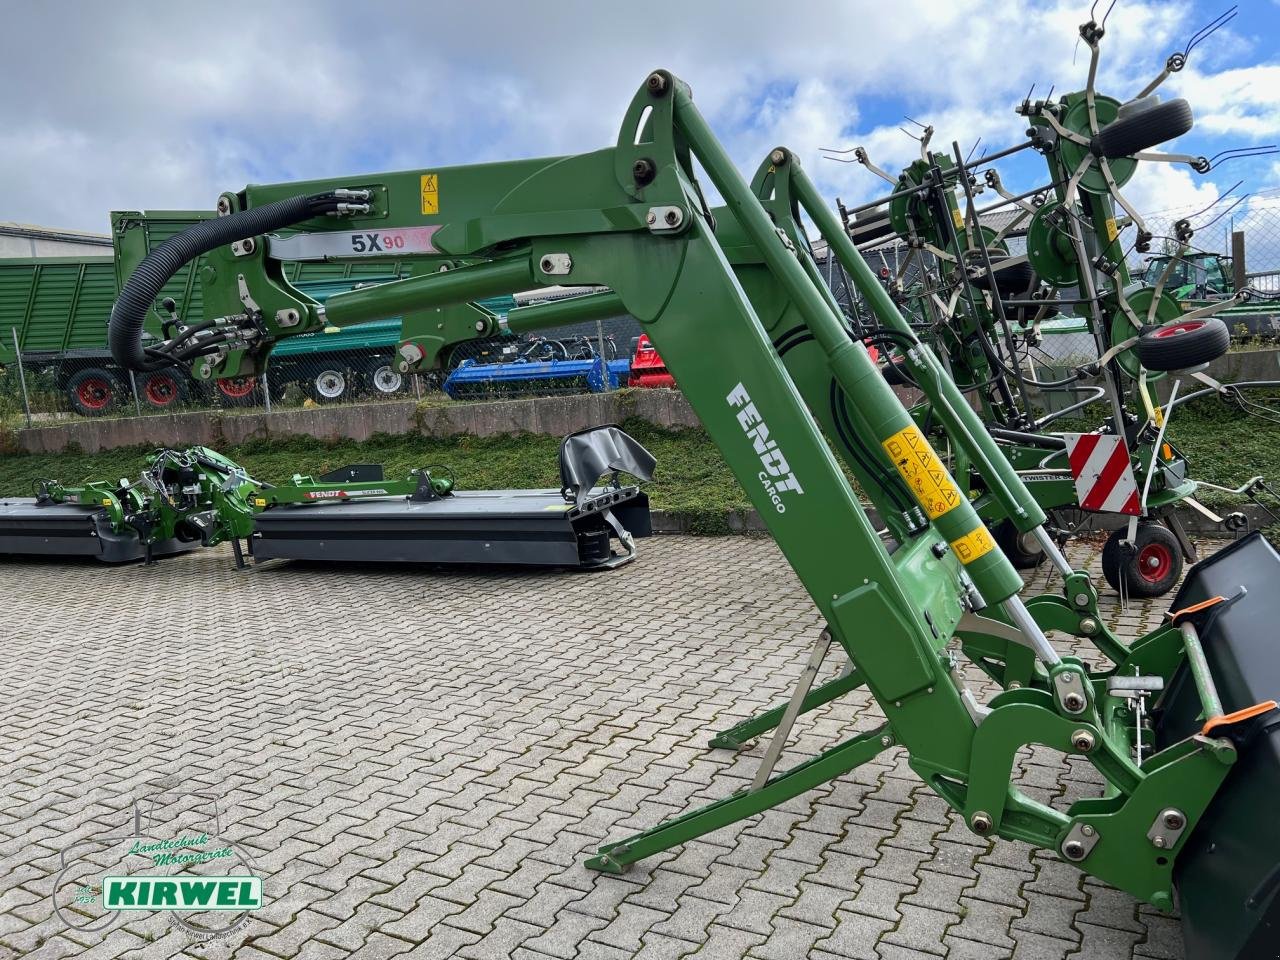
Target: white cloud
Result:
[[151, 104]]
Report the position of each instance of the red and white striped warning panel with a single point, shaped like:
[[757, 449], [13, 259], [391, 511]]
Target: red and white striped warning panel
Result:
[[1103, 474]]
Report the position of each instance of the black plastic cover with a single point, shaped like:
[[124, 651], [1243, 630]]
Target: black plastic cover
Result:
[[1228, 874]]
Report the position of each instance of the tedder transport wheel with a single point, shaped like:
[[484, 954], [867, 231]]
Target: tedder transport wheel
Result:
[[162, 389], [93, 392], [1183, 345], [1151, 565], [1022, 549]]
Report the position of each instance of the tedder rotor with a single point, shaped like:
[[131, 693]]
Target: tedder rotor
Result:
[[1181, 724], [981, 283]]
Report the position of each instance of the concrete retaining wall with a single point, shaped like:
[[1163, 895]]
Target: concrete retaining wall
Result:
[[555, 416]]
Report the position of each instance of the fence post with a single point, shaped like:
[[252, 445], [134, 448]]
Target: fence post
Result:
[[266, 390], [133, 385], [22, 376], [604, 359], [417, 386], [1238, 267]]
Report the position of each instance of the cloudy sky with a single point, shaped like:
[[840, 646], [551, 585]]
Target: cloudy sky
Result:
[[134, 105]]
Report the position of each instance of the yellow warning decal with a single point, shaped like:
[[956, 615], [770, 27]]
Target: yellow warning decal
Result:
[[430, 193], [1112, 232], [958, 218], [923, 471], [259, 501], [974, 544]]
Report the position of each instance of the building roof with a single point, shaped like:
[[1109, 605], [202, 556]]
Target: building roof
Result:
[[34, 232]]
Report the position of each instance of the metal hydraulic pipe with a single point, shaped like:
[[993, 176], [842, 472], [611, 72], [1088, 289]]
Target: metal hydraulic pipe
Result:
[[1200, 671], [873, 406], [964, 424], [555, 313], [443, 289]]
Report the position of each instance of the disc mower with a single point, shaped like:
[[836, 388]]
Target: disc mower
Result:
[[981, 304], [196, 497]]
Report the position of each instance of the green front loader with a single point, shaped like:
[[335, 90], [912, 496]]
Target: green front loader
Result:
[[1180, 724]]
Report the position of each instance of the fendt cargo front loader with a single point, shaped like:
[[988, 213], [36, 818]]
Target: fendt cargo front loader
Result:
[[1181, 725]]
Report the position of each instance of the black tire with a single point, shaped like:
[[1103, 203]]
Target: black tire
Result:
[[1143, 129], [237, 391], [1151, 566], [1180, 346], [1022, 549], [891, 369], [163, 389], [329, 383], [1011, 281], [94, 392]]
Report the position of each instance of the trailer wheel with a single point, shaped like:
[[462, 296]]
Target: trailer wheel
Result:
[[1188, 343], [384, 379], [236, 391], [162, 389], [1022, 549], [328, 384], [93, 391], [1151, 565]]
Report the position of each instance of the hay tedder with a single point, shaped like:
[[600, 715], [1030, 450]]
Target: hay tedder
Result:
[[1181, 724], [980, 283]]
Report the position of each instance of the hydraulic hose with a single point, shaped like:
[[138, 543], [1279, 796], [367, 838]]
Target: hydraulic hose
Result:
[[124, 332]]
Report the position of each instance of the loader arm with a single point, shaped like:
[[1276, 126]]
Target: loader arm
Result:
[[632, 218]]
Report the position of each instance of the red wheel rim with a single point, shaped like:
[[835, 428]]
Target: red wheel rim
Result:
[[1186, 326], [160, 389], [1155, 560], [236, 388], [94, 393]]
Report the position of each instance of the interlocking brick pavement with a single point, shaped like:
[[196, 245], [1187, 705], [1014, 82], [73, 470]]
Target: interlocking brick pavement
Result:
[[419, 762]]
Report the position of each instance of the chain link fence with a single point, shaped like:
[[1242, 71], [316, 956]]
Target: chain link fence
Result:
[[44, 379], [355, 365]]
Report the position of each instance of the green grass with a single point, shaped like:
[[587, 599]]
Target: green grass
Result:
[[691, 476], [1223, 445]]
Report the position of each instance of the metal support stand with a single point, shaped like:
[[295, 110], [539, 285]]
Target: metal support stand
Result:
[[239, 554], [826, 766], [794, 706], [736, 737]]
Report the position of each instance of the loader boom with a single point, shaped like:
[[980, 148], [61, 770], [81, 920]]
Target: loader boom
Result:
[[633, 218]]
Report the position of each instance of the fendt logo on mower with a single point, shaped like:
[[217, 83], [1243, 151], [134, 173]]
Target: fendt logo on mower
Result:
[[343, 494], [776, 475]]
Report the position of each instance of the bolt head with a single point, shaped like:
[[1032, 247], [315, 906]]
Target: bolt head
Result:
[[1082, 740], [778, 157], [1073, 850], [886, 741], [1088, 626], [656, 84], [1158, 842], [1087, 830], [1082, 600], [672, 218], [1073, 702], [651, 219], [980, 823], [547, 265], [224, 206], [1174, 820]]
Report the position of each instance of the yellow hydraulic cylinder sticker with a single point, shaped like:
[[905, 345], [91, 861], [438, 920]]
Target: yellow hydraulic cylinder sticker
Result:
[[430, 193], [1112, 232], [957, 218], [923, 471], [973, 545]]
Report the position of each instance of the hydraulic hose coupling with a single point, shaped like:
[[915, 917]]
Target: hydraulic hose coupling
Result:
[[124, 331]]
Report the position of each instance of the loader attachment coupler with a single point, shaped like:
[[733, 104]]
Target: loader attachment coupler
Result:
[[1228, 873]]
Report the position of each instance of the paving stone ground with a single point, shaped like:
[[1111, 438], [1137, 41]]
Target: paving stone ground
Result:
[[418, 762]]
